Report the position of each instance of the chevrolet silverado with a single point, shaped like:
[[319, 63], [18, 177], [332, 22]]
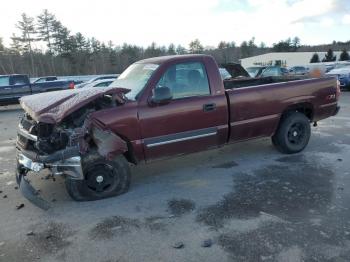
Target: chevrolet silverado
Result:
[[160, 107]]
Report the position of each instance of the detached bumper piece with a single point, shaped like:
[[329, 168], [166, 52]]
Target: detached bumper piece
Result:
[[32, 195], [70, 166]]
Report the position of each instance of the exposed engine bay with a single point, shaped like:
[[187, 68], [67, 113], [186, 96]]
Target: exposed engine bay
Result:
[[58, 138]]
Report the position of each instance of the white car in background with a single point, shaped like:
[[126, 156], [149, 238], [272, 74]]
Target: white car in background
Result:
[[98, 83], [343, 75], [98, 78]]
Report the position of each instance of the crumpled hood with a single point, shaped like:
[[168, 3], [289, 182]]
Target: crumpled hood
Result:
[[53, 107]]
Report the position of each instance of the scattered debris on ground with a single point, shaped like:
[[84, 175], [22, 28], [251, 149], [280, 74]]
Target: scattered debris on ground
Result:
[[207, 243], [30, 233], [178, 245], [20, 206]]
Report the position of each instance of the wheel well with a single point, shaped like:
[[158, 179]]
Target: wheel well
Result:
[[129, 155], [304, 108]]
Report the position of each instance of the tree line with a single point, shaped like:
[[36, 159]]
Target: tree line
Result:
[[330, 57], [66, 53]]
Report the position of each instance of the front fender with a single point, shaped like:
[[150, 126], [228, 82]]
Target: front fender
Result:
[[108, 143]]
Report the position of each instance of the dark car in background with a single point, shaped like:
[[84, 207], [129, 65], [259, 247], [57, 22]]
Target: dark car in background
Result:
[[255, 71], [13, 87], [274, 71], [298, 70], [45, 79]]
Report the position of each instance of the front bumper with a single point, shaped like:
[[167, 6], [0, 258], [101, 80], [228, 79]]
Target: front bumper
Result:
[[71, 167]]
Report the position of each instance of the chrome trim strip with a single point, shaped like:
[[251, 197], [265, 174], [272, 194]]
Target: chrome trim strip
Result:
[[26, 134], [329, 104], [30, 164], [180, 139]]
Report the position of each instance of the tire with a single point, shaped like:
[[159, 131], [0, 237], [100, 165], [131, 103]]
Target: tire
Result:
[[293, 133], [102, 178]]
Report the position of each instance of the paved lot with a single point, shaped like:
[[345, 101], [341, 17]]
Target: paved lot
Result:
[[252, 202]]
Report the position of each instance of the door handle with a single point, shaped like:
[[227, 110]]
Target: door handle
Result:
[[209, 107], [7, 88]]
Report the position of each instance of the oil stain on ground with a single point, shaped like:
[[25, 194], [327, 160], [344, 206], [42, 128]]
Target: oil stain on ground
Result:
[[118, 225], [285, 191], [111, 226], [226, 165], [179, 207], [267, 243], [44, 240]]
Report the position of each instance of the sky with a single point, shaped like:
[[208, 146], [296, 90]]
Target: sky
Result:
[[181, 21]]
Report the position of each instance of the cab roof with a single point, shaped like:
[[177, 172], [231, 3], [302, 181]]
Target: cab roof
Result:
[[162, 59]]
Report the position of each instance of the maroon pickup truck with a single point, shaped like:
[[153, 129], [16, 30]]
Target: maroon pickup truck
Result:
[[157, 108]]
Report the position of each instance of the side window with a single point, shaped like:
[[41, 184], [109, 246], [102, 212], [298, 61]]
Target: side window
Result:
[[20, 80], [41, 80], [4, 81], [185, 80]]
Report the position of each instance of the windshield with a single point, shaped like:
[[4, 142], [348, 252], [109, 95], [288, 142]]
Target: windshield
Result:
[[135, 78], [253, 71]]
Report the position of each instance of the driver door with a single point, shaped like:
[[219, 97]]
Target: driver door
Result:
[[190, 121]]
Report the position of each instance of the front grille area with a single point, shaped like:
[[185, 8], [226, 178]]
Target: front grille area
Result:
[[29, 125]]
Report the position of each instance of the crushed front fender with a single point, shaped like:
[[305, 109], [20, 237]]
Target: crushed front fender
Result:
[[108, 144]]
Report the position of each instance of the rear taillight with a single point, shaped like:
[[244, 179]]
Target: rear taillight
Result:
[[71, 85], [338, 89]]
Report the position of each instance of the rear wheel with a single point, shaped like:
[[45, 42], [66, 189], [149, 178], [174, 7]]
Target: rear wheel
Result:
[[102, 178], [293, 133]]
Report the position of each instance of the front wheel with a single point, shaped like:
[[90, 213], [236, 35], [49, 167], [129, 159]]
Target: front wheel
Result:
[[102, 178], [293, 133]]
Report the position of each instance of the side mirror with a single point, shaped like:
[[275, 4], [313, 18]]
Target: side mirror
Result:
[[161, 95]]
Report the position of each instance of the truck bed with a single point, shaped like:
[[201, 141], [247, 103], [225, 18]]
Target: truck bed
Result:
[[255, 111], [246, 82]]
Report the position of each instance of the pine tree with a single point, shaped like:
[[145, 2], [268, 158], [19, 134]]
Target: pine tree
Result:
[[180, 50], [344, 56], [2, 47], [60, 36], [82, 44], [315, 58], [26, 25], [196, 47], [329, 57], [296, 43], [171, 49], [45, 26], [223, 45]]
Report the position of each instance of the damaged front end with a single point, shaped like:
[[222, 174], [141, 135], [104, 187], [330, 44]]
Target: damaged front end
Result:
[[57, 138]]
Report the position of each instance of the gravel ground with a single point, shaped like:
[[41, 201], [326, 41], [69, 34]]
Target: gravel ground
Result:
[[243, 202]]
